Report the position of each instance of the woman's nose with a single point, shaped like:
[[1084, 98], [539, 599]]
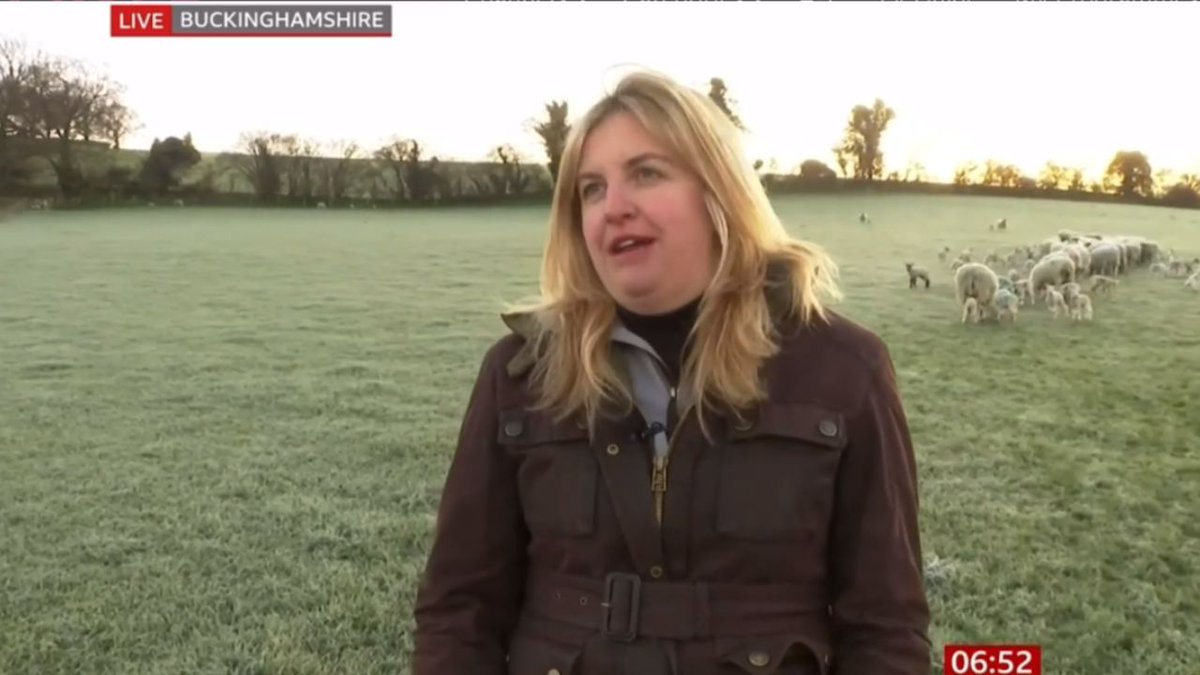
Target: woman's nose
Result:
[[617, 203]]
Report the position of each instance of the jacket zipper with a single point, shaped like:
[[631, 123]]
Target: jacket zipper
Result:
[[658, 479]]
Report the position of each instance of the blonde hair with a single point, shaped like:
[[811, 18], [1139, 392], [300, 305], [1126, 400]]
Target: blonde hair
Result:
[[733, 334]]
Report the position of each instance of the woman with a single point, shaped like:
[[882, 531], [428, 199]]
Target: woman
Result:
[[679, 461]]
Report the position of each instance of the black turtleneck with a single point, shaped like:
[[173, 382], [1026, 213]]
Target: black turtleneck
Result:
[[666, 333]]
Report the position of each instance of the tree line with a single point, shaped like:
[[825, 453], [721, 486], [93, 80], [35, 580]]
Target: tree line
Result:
[[62, 124]]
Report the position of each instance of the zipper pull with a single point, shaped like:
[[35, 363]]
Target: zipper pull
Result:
[[658, 485]]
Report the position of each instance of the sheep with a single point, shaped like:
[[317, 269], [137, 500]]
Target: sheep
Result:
[[1081, 307], [1105, 259], [1022, 290], [1053, 269], [1158, 269], [943, 253], [958, 262], [970, 313], [1006, 303], [1193, 282], [864, 218], [978, 281], [1014, 276], [320, 205], [1028, 267], [1103, 284], [1005, 283], [1055, 302], [915, 274], [1082, 258], [1069, 291], [992, 258], [1002, 224], [1177, 269]]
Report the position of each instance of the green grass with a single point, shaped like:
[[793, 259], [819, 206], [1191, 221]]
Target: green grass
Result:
[[223, 432]]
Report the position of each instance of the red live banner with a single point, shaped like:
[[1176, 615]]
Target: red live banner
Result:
[[140, 20], [229, 20]]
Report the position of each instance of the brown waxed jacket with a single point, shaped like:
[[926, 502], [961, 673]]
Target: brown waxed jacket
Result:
[[788, 545]]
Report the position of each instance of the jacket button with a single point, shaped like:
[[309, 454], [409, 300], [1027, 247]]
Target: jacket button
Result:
[[656, 571], [613, 449], [758, 658], [828, 428], [514, 428]]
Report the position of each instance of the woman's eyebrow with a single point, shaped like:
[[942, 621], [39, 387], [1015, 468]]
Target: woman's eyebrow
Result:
[[631, 162]]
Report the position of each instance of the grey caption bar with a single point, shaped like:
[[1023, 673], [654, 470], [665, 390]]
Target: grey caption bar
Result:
[[283, 19]]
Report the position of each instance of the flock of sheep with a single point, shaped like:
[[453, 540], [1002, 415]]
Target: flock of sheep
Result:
[[1064, 271]]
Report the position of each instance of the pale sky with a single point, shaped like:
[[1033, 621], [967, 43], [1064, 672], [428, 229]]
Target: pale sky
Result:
[[1019, 83]]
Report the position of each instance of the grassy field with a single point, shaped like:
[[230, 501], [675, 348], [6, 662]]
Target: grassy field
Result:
[[223, 432]]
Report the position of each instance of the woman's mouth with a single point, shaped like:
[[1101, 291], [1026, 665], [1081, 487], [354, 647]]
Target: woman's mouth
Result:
[[628, 243]]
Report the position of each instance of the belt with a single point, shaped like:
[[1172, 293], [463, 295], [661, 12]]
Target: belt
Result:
[[623, 607]]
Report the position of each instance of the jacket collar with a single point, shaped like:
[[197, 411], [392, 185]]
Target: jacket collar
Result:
[[527, 325]]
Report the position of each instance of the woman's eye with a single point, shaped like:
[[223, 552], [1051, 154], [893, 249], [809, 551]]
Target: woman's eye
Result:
[[589, 190], [647, 173]]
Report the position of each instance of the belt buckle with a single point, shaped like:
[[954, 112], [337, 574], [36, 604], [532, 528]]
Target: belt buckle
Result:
[[635, 597]]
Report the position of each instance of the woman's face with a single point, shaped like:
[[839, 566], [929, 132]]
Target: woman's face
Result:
[[644, 222]]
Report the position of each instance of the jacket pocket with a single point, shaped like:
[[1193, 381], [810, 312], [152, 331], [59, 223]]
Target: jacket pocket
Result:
[[772, 655], [557, 476], [777, 473], [536, 656]]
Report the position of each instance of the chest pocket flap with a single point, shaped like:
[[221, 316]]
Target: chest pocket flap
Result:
[[557, 474], [803, 422]]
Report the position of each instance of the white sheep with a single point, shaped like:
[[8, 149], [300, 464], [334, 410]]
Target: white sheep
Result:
[[1103, 284], [978, 281], [916, 273], [1081, 307], [1055, 302], [1193, 282], [1023, 293], [1054, 269], [1006, 303], [1105, 259], [970, 313]]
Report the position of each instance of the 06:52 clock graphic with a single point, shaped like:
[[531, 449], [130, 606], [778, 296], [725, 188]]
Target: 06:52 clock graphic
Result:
[[967, 659]]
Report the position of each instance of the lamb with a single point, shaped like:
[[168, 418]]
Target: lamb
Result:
[[970, 313], [1054, 269], [1006, 284], [943, 253], [915, 274], [1081, 308], [1014, 276], [1006, 303], [1069, 291], [1103, 284], [1055, 302], [1021, 288], [1193, 282], [978, 281], [1177, 269]]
